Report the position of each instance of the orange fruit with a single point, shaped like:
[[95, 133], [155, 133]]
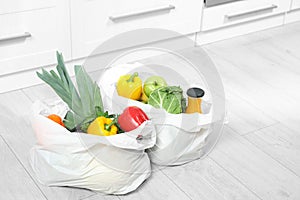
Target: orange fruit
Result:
[[56, 119]]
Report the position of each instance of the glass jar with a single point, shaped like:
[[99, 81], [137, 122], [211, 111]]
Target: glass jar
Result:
[[194, 100]]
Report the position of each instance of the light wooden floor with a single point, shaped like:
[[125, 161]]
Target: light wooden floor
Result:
[[258, 156]]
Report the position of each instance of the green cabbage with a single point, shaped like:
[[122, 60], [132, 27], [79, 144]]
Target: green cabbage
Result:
[[168, 97]]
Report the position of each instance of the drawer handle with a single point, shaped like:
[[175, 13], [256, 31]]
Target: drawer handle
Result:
[[271, 7], [119, 17], [17, 36]]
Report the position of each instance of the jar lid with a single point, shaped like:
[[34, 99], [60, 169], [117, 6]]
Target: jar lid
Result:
[[195, 92]]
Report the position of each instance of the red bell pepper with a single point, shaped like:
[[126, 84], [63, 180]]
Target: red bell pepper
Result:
[[131, 118]]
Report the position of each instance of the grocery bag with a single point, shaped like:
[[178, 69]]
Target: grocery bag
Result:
[[114, 164], [180, 137]]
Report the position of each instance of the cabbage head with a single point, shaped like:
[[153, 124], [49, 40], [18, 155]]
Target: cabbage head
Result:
[[168, 97]]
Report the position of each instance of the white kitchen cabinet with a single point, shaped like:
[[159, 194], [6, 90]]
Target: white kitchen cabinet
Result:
[[295, 4], [240, 12], [94, 22], [214, 35], [31, 31], [13, 6], [30, 38], [293, 15]]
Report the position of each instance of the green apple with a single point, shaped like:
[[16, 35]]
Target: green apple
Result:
[[153, 83]]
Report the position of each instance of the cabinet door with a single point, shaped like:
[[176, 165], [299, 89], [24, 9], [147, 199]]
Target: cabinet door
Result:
[[30, 39], [295, 4], [13, 6], [94, 21], [241, 11]]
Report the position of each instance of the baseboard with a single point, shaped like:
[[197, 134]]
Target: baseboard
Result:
[[292, 16], [239, 29]]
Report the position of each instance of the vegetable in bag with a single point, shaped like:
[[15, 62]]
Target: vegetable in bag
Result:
[[170, 98], [131, 118], [130, 86], [111, 165], [85, 103]]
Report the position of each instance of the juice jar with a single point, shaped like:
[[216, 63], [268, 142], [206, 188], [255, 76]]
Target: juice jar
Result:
[[194, 100]]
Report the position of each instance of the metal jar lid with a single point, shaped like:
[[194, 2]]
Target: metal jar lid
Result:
[[195, 92]]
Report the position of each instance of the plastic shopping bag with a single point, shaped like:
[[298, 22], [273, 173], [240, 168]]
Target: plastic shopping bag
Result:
[[180, 137], [114, 164]]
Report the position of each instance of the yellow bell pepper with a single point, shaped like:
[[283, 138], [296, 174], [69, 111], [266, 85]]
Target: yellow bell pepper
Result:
[[144, 98], [130, 86], [102, 126]]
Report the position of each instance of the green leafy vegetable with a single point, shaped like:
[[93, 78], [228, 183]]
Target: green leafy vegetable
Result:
[[170, 98], [69, 121], [85, 124], [85, 104]]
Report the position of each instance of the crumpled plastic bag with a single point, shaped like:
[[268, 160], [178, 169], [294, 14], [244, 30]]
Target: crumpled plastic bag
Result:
[[109, 164], [180, 137]]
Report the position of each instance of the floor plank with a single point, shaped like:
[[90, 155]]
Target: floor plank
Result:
[[15, 183], [286, 37], [292, 124], [266, 62], [101, 197], [158, 186], [39, 92], [256, 92], [17, 131], [258, 171], [244, 117], [280, 55], [205, 179], [263, 69], [281, 143]]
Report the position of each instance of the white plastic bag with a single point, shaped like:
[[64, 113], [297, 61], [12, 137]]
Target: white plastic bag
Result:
[[112, 164], [180, 137]]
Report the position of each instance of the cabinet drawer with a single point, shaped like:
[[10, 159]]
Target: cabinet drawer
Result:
[[295, 4], [13, 6], [240, 11], [32, 40], [93, 21]]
